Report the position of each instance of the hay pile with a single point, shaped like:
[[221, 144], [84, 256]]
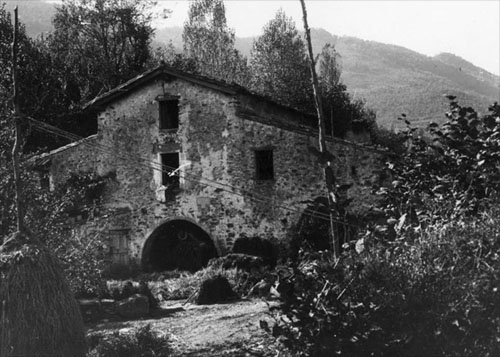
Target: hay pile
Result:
[[38, 313], [215, 290]]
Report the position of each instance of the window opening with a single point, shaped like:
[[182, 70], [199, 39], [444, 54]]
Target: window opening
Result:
[[44, 181], [169, 114], [170, 162], [264, 164]]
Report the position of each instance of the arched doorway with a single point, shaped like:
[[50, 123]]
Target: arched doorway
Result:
[[177, 244]]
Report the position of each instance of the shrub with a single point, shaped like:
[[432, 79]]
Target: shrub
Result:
[[258, 247], [142, 343], [239, 261], [430, 293], [454, 174]]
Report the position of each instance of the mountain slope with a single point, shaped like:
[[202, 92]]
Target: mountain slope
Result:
[[395, 80], [392, 79], [468, 68]]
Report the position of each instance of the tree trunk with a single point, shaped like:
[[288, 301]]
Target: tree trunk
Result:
[[17, 119], [328, 169]]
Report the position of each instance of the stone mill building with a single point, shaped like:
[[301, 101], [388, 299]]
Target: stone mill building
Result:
[[193, 164]]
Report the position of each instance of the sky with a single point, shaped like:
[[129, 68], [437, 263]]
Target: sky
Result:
[[467, 28]]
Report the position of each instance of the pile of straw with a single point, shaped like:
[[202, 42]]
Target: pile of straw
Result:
[[38, 313]]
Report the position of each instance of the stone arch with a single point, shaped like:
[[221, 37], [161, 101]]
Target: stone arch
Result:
[[177, 243]]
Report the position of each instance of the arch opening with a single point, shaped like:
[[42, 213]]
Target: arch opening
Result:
[[177, 244]]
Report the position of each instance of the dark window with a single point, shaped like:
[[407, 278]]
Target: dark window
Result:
[[170, 162], [354, 171], [264, 165], [169, 114]]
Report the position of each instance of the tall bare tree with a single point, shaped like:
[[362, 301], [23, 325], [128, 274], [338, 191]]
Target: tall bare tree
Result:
[[325, 155]]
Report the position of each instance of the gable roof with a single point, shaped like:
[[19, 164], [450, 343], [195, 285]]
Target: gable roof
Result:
[[166, 72], [300, 124], [41, 160]]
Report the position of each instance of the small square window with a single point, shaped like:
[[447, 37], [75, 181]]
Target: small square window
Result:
[[44, 180], [264, 165], [169, 114]]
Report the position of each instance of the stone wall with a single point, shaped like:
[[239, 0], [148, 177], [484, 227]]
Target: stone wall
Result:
[[217, 138]]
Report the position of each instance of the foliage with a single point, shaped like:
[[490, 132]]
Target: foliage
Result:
[[383, 137], [143, 342], [341, 112], [430, 294], [210, 43], [167, 55], [48, 212], [100, 44], [258, 247], [454, 174], [44, 91], [279, 66], [95, 46], [280, 70], [431, 288]]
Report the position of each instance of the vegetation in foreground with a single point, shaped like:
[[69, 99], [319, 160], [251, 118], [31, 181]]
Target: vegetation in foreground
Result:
[[143, 342], [425, 283], [432, 292]]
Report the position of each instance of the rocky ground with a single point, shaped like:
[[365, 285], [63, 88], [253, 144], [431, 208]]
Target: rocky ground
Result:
[[231, 329]]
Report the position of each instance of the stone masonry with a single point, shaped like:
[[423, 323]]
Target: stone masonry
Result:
[[220, 130]]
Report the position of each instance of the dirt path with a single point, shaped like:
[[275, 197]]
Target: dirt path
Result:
[[210, 330]]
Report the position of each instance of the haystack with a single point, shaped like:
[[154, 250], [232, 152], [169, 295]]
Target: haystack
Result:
[[215, 290], [39, 315]]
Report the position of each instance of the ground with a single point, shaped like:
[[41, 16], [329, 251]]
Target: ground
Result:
[[232, 329]]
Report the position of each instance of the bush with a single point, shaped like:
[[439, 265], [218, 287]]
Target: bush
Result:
[[258, 247], [239, 261], [142, 343], [428, 293], [454, 174]]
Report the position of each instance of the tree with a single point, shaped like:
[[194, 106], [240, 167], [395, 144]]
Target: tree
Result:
[[41, 84], [279, 67], [333, 91], [210, 42], [342, 113], [452, 173], [99, 44]]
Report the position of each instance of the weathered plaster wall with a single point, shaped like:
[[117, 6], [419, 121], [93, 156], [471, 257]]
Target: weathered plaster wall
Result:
[[216, 139]]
